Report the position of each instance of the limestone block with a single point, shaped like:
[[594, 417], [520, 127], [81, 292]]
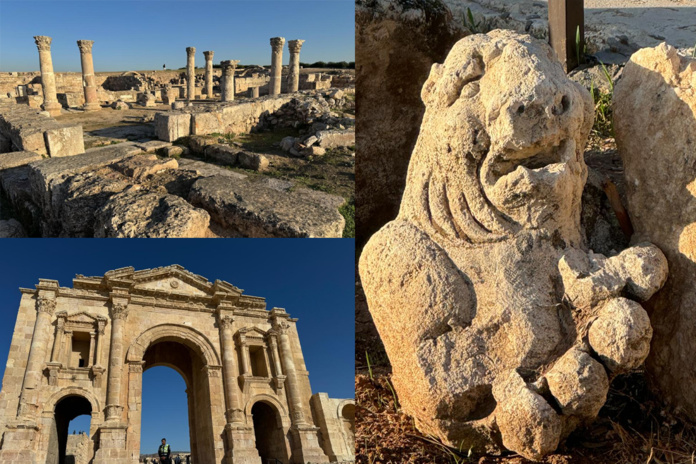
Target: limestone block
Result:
[[222, 153], [268, 207], [146, 99], [137, 213], [17, 158], [463, 285], [153, 145], [65, 141], [655, 122], [172, 125], [254, 161], [139, 167], [336, 138]]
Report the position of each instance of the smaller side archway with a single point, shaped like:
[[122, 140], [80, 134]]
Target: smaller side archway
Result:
[[269, 432], [59, 411]]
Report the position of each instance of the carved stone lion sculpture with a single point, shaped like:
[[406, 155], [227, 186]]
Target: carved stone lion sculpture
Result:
[[501, 328]]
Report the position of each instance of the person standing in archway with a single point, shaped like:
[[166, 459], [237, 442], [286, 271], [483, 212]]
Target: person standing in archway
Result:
[[164, 452]]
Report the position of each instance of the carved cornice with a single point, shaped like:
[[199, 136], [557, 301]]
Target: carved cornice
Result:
[[295, 46], [277, 44], [45, 305], [43, 43], [85, 46]]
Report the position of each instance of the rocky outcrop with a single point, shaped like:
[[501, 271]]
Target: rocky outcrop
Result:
[[655, 125], [396, 43], [269, 207], [501, 328]]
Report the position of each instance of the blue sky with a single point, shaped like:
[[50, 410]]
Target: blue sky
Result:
[[313, 279], [145, 34]]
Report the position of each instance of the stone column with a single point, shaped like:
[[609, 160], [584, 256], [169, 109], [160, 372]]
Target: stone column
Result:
[[234, 412], [88, 81], [274, 355], [227, 82], [119, 314], [90, 362], [48, 80], [276, 65], [209, 73], [298, 413], [190, 74], [67, 348], [246, 364], [294, 78], [100, 334]]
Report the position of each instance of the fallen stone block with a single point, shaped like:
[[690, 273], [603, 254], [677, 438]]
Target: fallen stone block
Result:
[[268, 208], [287, 143], [335, 138], [222, 153], [153, 145], [64, 141], [137, 213], [120, 105], [139, 167], [17, 158], [252, 161], [173, 125], [174, 151]]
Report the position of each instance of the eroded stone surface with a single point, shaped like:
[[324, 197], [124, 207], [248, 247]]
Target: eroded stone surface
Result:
[[269, 208], [482, 289], [655, 123]]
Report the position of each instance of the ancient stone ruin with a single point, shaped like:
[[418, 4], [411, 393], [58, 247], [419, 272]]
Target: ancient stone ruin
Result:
[[171, 166], [83, 350], [655, 124], [503, 330]]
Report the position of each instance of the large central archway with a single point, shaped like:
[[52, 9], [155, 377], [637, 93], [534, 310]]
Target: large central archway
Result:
[[191, 354]]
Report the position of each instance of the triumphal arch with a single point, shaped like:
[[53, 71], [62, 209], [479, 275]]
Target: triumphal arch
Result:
[[83, 350]]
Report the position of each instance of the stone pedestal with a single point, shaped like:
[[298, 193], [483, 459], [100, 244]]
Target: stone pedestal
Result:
[[90, 85], [14, 443], [294, 77], [305, 445], [227, 86], [48, 80], [241, 445], [209, 74], [253, 92], [276, 65], [190, 74], [112, 445]]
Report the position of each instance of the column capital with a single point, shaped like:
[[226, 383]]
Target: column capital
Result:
[[225, 321], [277, 43], [229, 65], [190, 51], [136, 367], [46, 305], [85, 46], [280, 327], [43, 42], [295, 45], [119, 311], [209, 55]]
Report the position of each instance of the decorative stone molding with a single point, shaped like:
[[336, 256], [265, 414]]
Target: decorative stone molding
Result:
[[277, 44], [295, 45], [43, 42], [85, 46], [119, 311], [225, 321], [135, 367], [212, 371], [45, 305], [281, 327]]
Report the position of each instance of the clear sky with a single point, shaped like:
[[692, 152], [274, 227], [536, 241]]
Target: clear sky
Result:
[[313, 279], [145, 34]]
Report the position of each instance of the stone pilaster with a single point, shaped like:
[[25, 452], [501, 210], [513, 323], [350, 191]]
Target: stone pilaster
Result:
[[240, 446], [305, 438], [294, 47], [227, 82], [90, 362], [88, 81], [276, 65], [209, 73], [48, 80], [190, 74]]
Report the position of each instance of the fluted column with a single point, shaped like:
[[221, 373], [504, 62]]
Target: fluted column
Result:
[[227, 82], [119, 314], [209, 73], [48, 80], [294, 47], [234, 412], [45, 307], [190, 74], [276, 65], [298, 414], [88, 81]]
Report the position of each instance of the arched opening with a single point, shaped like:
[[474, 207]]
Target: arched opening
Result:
[[268, 431], [348, 419], [71, 414], [176, 402]]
